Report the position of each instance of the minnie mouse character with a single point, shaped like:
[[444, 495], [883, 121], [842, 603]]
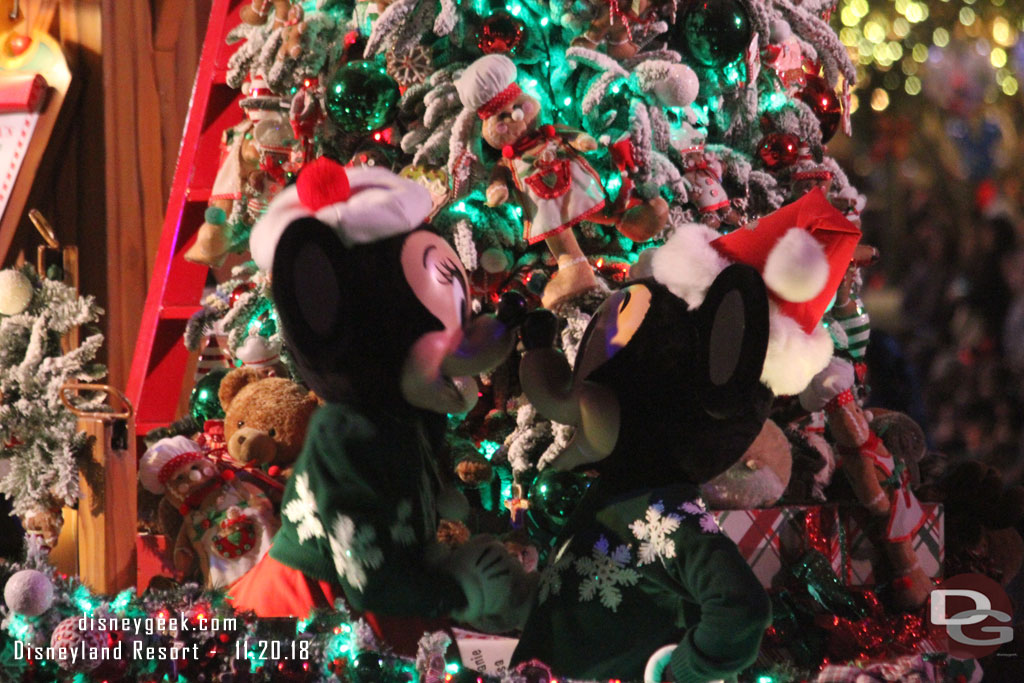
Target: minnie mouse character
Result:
[[664, 397], [374, 310]]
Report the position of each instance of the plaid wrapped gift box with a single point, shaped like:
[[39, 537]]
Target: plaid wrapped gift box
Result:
[[772, 538], [929, 544]]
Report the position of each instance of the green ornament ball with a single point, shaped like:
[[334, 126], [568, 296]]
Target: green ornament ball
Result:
[[554, 495], [204, 404], [715, 32], [369, 668], [361, 97]]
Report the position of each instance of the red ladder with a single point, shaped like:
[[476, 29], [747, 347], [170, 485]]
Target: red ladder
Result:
[[160, 361]]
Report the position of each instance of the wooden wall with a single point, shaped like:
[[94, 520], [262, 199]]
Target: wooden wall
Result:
[[147, 92], [105, 180]]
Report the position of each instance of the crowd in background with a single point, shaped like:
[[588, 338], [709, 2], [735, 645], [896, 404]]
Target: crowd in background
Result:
[[953, 355]]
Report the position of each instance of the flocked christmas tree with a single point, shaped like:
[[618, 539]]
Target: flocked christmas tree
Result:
[[647, 120], [40, 436]]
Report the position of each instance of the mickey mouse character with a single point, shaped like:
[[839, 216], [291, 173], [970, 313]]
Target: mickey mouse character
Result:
[[663, 398], [374, 310]]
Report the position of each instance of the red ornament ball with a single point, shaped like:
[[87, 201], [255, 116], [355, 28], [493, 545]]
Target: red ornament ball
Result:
[[778, 150], [824, 103], [238, 291], [501, 33], [18, 43], [68, 636]]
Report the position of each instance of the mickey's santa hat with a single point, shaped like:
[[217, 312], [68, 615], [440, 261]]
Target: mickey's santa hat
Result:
[[163, 459], [362, 205], [802, 251]]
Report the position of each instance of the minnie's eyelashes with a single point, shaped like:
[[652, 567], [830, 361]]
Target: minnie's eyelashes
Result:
[[447, 270]]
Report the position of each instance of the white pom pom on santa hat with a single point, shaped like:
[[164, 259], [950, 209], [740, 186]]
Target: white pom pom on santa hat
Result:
[[797, 268]]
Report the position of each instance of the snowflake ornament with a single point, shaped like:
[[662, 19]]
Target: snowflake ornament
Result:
[[410, 68], [301, 511], [604, 573], [551, 576], [654, 534], [696, 508], [354, 551], [401, 531]]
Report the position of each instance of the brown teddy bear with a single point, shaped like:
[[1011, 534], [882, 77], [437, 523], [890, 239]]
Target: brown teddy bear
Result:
[[265, 419]]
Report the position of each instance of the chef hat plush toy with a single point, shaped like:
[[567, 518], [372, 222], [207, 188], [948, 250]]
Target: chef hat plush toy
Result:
[[164, 458]]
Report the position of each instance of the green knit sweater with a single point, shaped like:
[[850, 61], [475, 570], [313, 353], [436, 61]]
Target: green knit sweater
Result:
[[359, 511], [646, 569]]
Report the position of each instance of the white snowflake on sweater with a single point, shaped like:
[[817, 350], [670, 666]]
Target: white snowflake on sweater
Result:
[[654, 534], [354, 550], [551, 575], [401, 531], [604, 573], [696, 508], [301, 510]]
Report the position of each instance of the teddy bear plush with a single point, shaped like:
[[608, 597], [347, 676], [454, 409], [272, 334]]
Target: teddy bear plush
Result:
[[228, 523], [265, 419], [664, 397], [374, 309], [982, 518]]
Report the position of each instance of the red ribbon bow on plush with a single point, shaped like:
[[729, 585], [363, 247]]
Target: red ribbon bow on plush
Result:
[[520, 146]]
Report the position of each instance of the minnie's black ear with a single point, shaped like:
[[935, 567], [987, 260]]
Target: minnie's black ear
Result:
[[307, 280], [733, 331]]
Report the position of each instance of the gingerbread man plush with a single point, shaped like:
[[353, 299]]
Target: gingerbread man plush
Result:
[[228, 523], [543, 167]]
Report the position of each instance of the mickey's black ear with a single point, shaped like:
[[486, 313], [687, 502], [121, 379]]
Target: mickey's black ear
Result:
[[307, 280], [733, 331]]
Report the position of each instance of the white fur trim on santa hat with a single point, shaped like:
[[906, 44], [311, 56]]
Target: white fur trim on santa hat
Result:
[[158, 455], [793, 357], [382, 205], [797, 268], [687, 264], [483, 79]]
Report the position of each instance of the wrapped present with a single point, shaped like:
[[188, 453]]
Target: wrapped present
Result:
[[772, 539], [154, 559], [856, 568]]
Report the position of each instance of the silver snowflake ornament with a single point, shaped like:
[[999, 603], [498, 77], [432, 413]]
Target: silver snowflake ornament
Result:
[[653, 532], [604, 574], [354, 550], [301, 511]]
